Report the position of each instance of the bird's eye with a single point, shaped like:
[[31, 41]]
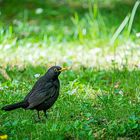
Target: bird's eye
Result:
[[55, 69]]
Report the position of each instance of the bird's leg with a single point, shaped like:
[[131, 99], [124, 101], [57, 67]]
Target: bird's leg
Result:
[[38, 115], [45, 113]]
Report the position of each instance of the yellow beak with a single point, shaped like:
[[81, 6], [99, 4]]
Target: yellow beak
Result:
[[63, 69]]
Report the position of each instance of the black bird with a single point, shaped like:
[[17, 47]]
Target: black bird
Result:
[[43, 94]]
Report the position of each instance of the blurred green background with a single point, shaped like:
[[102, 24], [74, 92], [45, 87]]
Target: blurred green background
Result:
[[85, 24]]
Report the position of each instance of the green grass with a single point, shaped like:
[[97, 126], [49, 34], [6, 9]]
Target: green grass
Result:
[[100, 95], [62, 23], [97, 103]]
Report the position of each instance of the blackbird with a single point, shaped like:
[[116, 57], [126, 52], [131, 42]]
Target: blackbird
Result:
[[43, 94]]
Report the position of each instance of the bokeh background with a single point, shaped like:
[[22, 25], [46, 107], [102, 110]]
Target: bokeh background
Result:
[[83, 32]]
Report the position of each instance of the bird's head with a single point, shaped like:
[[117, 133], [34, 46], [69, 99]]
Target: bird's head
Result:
[[54, 71]]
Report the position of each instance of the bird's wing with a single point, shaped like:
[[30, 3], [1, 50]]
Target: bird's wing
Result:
[[39, 84], [39, 95]]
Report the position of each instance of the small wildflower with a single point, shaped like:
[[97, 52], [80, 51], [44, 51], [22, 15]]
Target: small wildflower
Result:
[[72, 92], [38, 11], [121, 92], [37, 75], [137, 35], [3, 137], [84, 31], [1, 88]]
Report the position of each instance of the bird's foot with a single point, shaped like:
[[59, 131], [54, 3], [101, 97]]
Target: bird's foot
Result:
[[46, 114]]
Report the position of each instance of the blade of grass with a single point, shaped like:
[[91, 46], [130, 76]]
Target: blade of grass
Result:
[[120, 28], [132, 16]]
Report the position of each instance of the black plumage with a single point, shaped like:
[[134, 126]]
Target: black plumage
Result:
[[43, 94]]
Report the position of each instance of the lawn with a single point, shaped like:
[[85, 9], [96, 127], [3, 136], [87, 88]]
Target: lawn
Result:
[[99, 95]]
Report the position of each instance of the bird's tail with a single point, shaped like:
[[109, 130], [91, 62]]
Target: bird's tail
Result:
[[14, 106]]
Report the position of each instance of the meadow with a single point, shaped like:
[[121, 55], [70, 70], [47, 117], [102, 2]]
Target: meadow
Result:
[[99, 41]]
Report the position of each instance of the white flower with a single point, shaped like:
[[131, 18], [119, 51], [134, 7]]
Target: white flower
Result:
[[121, 92], [72, 91], [1, 88], [37, 75], [7, 46], [38, 11], [138, 35], [84, 31]]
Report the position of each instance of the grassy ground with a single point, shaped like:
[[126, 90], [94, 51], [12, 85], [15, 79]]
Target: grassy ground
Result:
[[100, 95], [103, 107]]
